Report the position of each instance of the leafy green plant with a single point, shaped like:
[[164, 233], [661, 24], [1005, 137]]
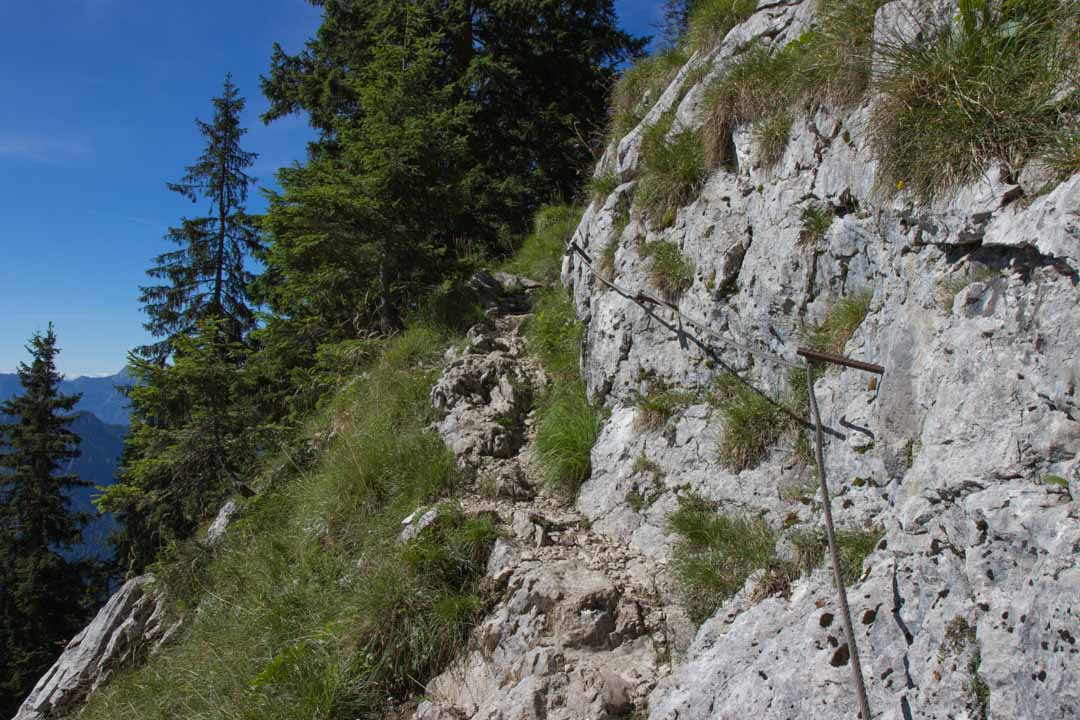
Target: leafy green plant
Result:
[[554, 334], [770, 136], [711, 20], [672, 171], [1058, 482], [840, 323], [670, 272], [716, 553], [997, 84], [816, 219]]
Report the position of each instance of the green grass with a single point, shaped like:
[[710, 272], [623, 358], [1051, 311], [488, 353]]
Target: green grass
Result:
[[816, 220], [854, 546], [716, 553], [840, 324], [952, 286], [640, 87], [752, 423], [827, 65], [567, 425], [997, 85], [671, 273], [540, 256], [672, 172], [658, 406], [711, 20], [566, 432], [310, 608], [600, 186], [771, 137]]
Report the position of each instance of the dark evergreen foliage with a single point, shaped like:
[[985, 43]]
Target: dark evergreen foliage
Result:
[[43, 595], [205, 277]]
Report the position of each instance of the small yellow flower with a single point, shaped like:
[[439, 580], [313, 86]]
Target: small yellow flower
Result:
[[900, 185]]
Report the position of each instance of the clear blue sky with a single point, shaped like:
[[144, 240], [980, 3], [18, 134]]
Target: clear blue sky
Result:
[[99, 102]]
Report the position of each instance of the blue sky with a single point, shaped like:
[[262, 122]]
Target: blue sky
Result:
[[100, 98]]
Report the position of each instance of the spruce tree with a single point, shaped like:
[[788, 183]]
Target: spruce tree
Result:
[[205, 278], [187, 447], [41, 592]]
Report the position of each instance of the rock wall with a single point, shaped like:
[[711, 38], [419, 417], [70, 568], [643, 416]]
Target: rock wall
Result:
[[976, 317]]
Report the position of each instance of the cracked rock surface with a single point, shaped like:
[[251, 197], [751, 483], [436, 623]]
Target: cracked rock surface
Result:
[[968, 607]]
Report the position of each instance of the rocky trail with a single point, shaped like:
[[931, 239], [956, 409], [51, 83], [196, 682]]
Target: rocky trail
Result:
[[581, 627]]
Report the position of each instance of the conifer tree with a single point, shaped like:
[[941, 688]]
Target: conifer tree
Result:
[[187, 448], [41, 592], [205, 278]]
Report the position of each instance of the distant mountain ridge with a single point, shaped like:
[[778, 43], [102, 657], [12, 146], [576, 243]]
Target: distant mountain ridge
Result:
[[99, 395]]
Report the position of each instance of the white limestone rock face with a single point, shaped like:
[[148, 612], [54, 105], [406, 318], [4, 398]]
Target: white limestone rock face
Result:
[[130, 623], [969, 604]]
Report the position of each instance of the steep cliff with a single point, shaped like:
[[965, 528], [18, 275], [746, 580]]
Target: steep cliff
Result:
[[965, 454]]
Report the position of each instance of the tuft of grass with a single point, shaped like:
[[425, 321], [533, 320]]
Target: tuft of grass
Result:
[[711, 20], [1062, 153], [640, 87], [671, 273], [827, 65], [541, 254], [840, 323], [715, 554], [658, 406], [854, 546], [771, 137], [568, 426], [643, 465], [752, 423], [554, 335], [816, 219], [600, 186], [996, 84], [952, 286], [672, 172], [566, 432]]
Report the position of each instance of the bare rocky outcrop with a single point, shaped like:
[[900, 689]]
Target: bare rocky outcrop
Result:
[[967, 608], [130, 623]]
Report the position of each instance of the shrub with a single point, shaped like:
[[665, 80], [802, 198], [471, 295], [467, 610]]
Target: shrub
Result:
[[565, 434], [540, 256], [995, 85], [711, 20], [671, 273], [771, 137], [715, 554], [840, 323], [671, 172], [640, 87], [816, 218]]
